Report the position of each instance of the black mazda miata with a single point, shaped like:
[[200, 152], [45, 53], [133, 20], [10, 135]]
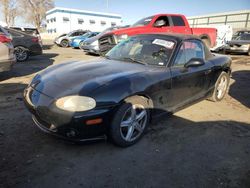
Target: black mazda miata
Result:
[[144, 76]]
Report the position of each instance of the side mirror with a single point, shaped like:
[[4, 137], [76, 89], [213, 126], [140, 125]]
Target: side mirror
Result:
[[160, 23], [194, 62]]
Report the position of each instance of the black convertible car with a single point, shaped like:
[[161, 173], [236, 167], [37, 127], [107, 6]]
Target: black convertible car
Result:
[[142, 77]]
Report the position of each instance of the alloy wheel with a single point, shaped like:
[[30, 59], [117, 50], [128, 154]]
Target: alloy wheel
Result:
[[21, 53], [222, 87], [133, 123]]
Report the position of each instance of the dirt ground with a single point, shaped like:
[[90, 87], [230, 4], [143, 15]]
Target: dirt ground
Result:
[[205, 145]]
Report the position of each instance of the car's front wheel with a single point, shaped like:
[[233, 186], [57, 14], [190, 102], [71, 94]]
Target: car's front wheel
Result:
[[130, 122], [21, 53], [221, 87]]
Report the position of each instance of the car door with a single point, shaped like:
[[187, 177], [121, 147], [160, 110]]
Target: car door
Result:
[[188, 84]]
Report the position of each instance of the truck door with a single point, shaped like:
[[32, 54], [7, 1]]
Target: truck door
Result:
[[162, 25], [178, 25]]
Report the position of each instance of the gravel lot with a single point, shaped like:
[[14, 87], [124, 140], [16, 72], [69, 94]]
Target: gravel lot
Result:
[[206, 145]]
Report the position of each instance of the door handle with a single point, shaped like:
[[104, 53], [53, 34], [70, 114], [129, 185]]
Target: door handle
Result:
[[208, 71]]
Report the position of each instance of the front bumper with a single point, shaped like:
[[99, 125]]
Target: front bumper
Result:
[[91, 49], [69, 126], [237, 49], [74, 44]]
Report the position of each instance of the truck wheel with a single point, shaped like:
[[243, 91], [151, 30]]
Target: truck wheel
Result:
[[64, 43], [221, 87], [130, 122], [206, 42]]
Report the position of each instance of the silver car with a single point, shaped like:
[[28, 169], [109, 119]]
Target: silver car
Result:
[[7, 57], [239, 44]]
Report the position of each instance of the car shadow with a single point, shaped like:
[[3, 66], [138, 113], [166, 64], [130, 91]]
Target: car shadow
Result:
[[32, 65], [240, 89], [48, 46]]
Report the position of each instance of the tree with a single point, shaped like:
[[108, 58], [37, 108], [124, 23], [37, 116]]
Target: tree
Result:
[[35, 10], [10, 11]]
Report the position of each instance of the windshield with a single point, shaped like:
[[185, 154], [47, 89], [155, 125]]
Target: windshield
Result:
[[143, 22], [244, 37], [150, 50]]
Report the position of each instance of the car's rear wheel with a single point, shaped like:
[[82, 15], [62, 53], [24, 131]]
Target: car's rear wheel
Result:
[[130, 122], [64, 43], [221, 87], [21, 53]]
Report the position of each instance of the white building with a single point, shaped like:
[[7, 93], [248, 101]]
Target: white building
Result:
[[63, 20], [236, 19]]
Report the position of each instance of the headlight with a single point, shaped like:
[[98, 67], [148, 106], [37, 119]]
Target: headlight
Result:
[[75, 103], [95, 43], [120, 38]]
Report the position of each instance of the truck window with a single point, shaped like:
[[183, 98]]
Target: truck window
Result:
[[143, 22], [178, 21], [164, 19]]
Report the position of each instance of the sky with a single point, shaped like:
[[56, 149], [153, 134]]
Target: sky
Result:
[[133, 10]]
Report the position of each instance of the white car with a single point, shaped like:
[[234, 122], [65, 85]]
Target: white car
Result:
[[63, 40]]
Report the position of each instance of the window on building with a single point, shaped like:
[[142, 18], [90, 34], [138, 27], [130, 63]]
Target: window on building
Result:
[[92, 21], [65, 19], [55, 30], [103, 23], [55, 19], [51, 20], [47, 21], [113, 24], [80, 21], [177, 21]]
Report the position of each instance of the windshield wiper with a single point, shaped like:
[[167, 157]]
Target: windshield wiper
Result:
[[134, 60]]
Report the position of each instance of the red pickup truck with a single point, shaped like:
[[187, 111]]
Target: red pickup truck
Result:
[[160, 23]]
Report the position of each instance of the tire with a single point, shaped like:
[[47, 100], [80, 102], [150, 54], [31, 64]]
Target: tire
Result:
[[81, 45], [21, 53], [221, 87], [206, 42], [64, 43], [134, 114], [248, 53]]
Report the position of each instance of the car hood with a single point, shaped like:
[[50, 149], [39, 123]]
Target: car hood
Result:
[[81, 78]]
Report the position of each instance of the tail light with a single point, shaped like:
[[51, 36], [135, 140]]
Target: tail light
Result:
[[4, 39], [35, 39]]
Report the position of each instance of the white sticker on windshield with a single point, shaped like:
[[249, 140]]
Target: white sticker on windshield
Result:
[[166, 44]]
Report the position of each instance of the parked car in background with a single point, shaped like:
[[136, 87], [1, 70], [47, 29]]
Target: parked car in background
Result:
[[30, 31], [117, 95], [25, 45], [91, 45], [240, 44], [239, 33], [7, 57], [63, 40], [160, 23], [75, 42]]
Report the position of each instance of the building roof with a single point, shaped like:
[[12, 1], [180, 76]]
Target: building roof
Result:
[[83, 12]]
